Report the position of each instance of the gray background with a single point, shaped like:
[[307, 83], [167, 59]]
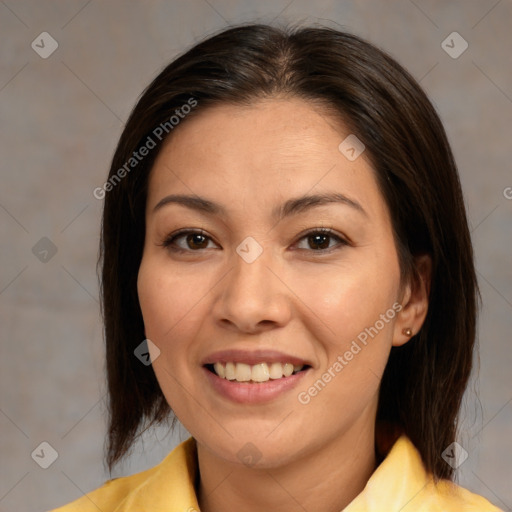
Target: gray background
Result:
[[60, 120]]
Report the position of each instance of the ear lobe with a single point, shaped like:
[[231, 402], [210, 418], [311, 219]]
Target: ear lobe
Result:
[[414, 302]]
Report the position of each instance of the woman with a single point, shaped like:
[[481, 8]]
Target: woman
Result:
[[284, 239]]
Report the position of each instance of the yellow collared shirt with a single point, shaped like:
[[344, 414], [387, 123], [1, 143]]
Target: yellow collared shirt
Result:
[[399, 484]]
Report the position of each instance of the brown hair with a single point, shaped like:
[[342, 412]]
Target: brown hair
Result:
[[424, 381]]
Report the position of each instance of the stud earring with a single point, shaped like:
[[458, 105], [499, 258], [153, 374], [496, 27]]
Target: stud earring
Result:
[[407, 331]]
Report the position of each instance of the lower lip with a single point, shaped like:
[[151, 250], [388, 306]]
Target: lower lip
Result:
[[253, 393]]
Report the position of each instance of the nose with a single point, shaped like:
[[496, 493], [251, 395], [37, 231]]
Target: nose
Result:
[[252, 297]]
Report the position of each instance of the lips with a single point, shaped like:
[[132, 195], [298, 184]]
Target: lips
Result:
[[254, 357], [251, 392], [253, 376]]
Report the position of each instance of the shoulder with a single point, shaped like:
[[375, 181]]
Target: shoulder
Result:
[[169, 483], [402, 483], [110, 495], [449, 496]]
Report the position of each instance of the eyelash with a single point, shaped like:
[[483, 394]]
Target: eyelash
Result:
[[167, 243]]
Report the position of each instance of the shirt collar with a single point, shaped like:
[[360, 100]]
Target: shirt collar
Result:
[[396, 482], [400, 483], [169, 486]]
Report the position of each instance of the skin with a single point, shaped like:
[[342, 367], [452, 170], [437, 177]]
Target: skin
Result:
[[294, 298]]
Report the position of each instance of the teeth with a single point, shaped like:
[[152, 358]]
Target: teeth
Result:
[[230, 371], [220, 370], [243, 372], [261, 372], [287, 369], [276, 371]]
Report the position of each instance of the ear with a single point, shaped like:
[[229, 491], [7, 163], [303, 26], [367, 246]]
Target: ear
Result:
[[415, 297]]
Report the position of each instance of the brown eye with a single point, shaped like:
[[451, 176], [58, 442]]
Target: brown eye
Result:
[[196, 241], [320, 240], [191, 241]]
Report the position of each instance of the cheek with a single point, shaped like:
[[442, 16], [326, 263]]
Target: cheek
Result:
[[355, 344], [353, 319], [170, 304], [172, 311], [345, 299]]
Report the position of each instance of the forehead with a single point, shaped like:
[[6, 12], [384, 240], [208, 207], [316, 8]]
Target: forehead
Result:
[[259, 153]]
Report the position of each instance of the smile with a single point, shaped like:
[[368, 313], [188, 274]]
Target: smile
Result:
[[256, 373]]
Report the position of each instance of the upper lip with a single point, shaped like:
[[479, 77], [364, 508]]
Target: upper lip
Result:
[[253, 357]]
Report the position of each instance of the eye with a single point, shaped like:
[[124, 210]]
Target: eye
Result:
[[193, 241], [318, 240]]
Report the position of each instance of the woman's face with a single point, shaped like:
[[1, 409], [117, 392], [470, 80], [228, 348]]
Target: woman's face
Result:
[[258, 288]]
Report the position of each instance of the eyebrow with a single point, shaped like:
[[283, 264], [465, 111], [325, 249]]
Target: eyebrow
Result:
[[290, 207]]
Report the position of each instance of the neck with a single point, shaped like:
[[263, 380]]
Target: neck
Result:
[[327, 479]]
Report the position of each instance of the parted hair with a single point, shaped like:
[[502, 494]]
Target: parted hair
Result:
[[383, 105]]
